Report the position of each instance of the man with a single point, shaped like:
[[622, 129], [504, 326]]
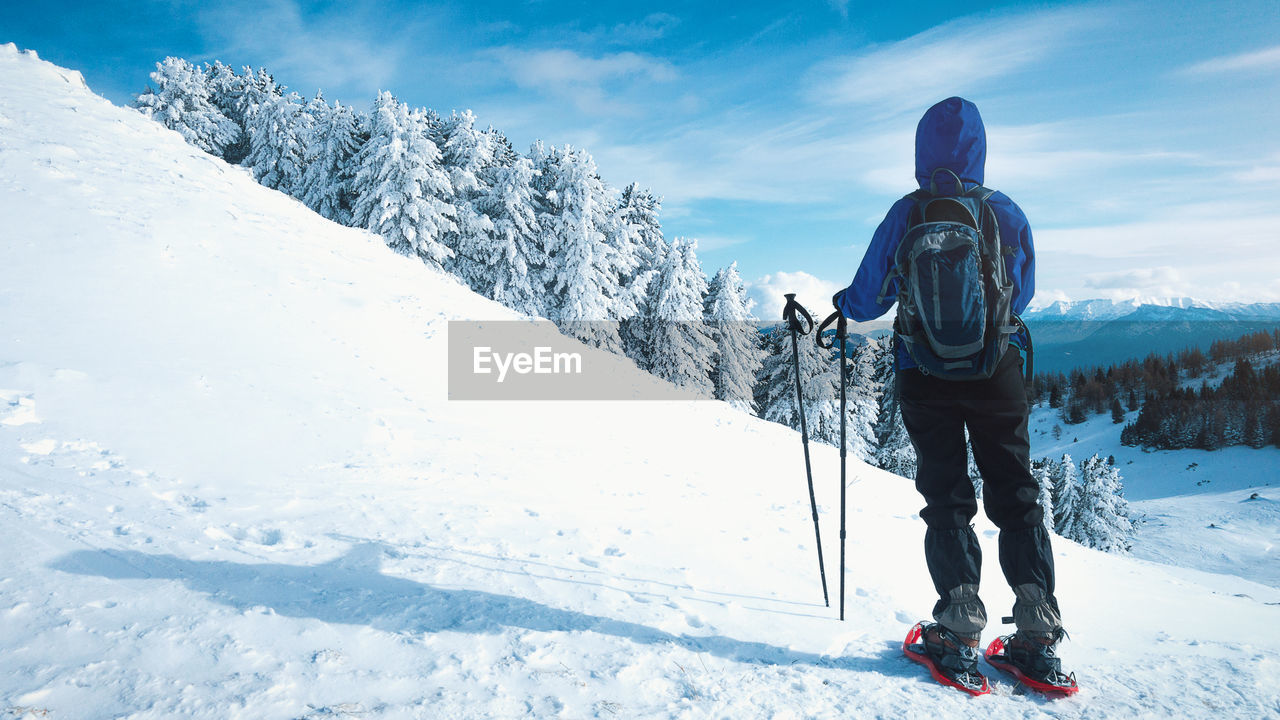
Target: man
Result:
[[936, 413]]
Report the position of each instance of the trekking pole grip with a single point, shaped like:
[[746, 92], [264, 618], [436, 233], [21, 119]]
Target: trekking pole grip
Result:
[[842, 329], [789, 315]]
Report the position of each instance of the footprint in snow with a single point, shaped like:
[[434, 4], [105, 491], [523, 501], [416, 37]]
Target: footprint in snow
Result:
[[269, 536]]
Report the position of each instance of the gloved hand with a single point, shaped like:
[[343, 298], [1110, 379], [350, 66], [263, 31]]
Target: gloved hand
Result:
[[835, 300]]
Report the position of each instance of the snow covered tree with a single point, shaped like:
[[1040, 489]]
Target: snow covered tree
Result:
[[1066, 497], [237, 97], [513, 251], [862, 400], [584, 264], [975, 476], [638, 210], [180, 101], [402, 192], [466, 152], [1103, 516], [504, 153], [776, 391], [1040, 470], [277, 129], [681, 348], [331, 148], [894, 451], [738, 355]]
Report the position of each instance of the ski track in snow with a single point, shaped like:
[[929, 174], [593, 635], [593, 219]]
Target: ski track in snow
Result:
[[233, 487]]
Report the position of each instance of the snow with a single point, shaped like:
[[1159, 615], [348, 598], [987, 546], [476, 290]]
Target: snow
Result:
[[233, 487], [1193, 506]]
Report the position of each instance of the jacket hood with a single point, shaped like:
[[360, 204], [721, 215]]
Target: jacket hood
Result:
[[951, 136]]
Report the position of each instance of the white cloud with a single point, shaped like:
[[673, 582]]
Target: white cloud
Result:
[[580, 79], [1139, 278], [1045, 297], [305, 52], [1265, 172], [653, 27], [1212, 251], [908, 74], [811, 292], [738, 157], [1257, 60], [707, 243]]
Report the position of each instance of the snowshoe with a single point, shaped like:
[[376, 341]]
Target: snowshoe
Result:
[[950, 661], [1033, 662]]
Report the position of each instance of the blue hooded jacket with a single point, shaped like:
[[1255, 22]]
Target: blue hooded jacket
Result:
[[951, 136]]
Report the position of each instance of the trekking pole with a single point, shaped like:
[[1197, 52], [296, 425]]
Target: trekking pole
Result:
[[789, 314], [842, 334]]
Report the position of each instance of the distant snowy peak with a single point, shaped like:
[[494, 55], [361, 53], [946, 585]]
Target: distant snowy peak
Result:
[[1134, 308]]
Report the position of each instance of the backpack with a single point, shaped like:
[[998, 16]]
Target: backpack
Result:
[[954, 294]]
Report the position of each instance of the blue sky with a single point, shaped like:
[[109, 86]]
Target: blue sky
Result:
[[1138, 137]]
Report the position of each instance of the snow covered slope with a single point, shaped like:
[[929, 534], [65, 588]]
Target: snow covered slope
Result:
[[231, 486], [1216, 511]]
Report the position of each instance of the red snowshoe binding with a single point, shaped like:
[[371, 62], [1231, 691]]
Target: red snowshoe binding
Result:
[[1033, 662], [950, 661]]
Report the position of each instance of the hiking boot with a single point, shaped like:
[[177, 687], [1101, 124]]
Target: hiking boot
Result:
[[952, 657], [1032, 658]]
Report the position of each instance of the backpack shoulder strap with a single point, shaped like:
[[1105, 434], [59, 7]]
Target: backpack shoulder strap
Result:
[[919, 199], [914, 217], [988, 214]]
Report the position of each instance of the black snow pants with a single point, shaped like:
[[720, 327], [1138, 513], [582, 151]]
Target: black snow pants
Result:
[[936, 413]]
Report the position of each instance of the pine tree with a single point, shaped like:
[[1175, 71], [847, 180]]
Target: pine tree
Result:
[[1066, 497], [894, 450], [277, 128], [331, 149], [504, 153], [402, 193], [776, 391], [585, 264], [682, 347], [238, 97], [513, 251], [181, 101], [467, 152], [227, 92], [638, 209], [975, 475], [738, 355], [1040, 470], [1103, 518], [862, 399], [1117, 412]]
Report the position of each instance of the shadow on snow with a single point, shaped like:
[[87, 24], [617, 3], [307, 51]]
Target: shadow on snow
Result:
[[352, 590]]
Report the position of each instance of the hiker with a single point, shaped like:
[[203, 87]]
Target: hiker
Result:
[[940, 396]]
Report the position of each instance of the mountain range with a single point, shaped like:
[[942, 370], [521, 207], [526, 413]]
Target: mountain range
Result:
[[1086, 333]]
